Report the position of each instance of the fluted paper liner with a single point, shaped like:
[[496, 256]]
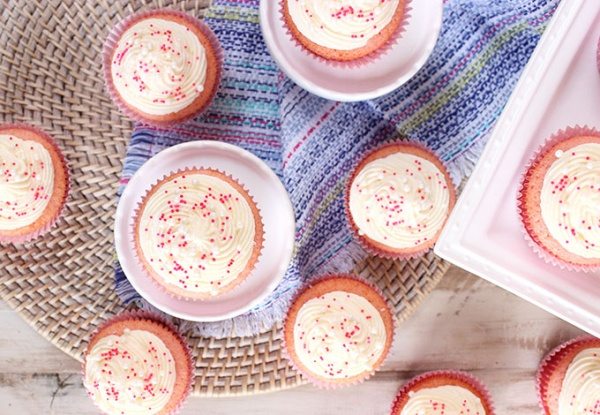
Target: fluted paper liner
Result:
[[259, 239], [598, 55], [364, 241], [340, 382], [51, 222], [139, 315], [476, 384], [354, 63], [550, 364], [534, 244], [111, 44]]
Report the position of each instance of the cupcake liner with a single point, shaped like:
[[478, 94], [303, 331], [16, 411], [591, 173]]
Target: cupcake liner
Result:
[[362, 239], [141, 315], [111, 43], [598, 55], [318, 382], [452, 374], [19, 239], [355, 63], [550, 363], [236, 282], [536, 246]]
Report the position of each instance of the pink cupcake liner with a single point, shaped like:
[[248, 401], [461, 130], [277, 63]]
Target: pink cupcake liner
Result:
[[598, 55], [320, 383], [549, 364], [540, 251], [362, 239], [149, 274], [141, 315], [452, 374], [355, 63], [112, 41], [20, 239]]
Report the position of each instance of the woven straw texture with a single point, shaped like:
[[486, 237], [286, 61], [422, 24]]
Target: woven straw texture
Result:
[[62, 283]]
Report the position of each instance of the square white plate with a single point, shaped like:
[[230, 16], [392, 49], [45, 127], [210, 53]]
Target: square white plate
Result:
[[560, 87]]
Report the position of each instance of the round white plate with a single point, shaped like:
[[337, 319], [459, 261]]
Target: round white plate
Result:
[[271, 198], [368, 81]]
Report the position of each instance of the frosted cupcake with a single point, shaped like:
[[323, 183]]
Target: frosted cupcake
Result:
[[338, 331], [398, 199], [137, 364], [34, 182], [559, 201], [198, 233], [569, 378], [344, 31], [443, 393], [162, 67]]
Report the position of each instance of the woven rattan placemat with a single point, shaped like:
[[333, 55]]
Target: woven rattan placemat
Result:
[[63, 283]]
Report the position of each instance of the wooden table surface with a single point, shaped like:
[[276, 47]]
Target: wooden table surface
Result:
[[466, 323]]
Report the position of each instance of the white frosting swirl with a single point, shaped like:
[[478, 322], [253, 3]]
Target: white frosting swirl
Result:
[[159, 66], [341, 24], [130, 374], [399, 200], [26, 181], [447, 400], [197, 232], [339, 335], [570, 200], [580, 393]]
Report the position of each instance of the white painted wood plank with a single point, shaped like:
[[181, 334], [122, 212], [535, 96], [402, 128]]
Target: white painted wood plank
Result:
[[466, 323], [23, 350], [29, 394]]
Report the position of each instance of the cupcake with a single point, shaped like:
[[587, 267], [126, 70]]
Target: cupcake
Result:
[[137, 364], [344, 31], [443, 393], [569, 378], [198, 233], [398, 199], [338, 331], [162, 67], [34, 182], [559, 200]]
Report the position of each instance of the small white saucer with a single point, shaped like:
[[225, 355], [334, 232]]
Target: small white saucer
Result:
[[368, 81], [271, 198]]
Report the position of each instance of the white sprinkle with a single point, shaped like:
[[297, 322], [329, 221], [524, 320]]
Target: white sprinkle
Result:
[[559, 153]]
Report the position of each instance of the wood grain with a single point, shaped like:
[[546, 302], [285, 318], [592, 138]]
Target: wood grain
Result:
[[466, 323]]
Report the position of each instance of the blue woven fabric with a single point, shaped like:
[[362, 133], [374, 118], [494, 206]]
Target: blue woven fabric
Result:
[[311, 143]]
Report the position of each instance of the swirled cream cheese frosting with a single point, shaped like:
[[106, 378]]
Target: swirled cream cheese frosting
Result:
[[570, 200], [580, 393], [341, 25], [26, 181], [443, 400], [339, 335], [159, 66], [133, 373], [400, 200], [198, 231]]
